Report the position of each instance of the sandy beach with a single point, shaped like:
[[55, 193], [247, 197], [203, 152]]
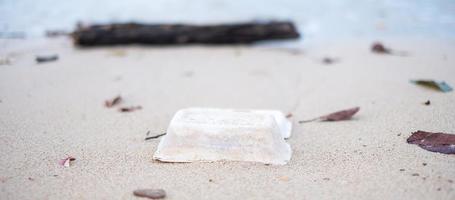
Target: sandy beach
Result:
[[52, 110]]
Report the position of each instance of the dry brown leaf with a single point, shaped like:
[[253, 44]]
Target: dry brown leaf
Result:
[[378, 47], [336, 116], [150, 193], [111, 103], [435, 142]]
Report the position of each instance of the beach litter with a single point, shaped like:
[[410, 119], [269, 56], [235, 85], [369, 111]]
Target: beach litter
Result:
[[116, 101], [432, 84], [178, 34], [336, 116], [379, 48], [289, 115], [66, 162], [209, 134], [427, 103], [46, 58], [329, 60], [155, 136], [130, 109], [434, 142], [150, 193], [111, 103]]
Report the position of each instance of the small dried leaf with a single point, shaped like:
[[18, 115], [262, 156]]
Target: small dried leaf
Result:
[[336, 116], [378, 47], [150, 193], [48, 58], [66, 162], [289, 115], [427, 103], [435, 142], [113, 102], [130, 109], [329, 60], [341, 115], [437, 85]]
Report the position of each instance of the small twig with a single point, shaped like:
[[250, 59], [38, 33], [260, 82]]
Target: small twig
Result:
[[154, 137], [130, 109]]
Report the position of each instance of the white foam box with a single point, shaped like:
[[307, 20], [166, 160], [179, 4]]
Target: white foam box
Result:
[[208, 134]]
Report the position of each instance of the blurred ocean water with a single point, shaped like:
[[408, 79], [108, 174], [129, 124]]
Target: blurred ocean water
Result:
[[317, 20]]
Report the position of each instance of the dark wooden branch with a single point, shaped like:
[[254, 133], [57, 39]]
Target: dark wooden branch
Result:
[[177, 34]]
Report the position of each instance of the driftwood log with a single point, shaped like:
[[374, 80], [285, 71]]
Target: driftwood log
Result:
[[177, 34]]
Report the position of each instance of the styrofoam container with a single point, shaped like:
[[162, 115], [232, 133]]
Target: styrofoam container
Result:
[[208, 134]]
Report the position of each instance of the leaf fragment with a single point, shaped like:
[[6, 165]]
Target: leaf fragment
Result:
[[436, 85], [66, 162], [130, 109], [329, 60], [46, 58], [379, 48], [150, 193], [336, 116], [111, 103], [434, 142]]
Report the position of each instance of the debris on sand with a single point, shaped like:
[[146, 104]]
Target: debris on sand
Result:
[[66, 162], [212, 134], [155, 136], [150, 193], [111, 103], [130, 109], [5, 61], [427, 103], [379, 48], [56, 33], [434, 142], [180, 34], [436, 85], [336, 116], [46, 58], [329, 60]]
